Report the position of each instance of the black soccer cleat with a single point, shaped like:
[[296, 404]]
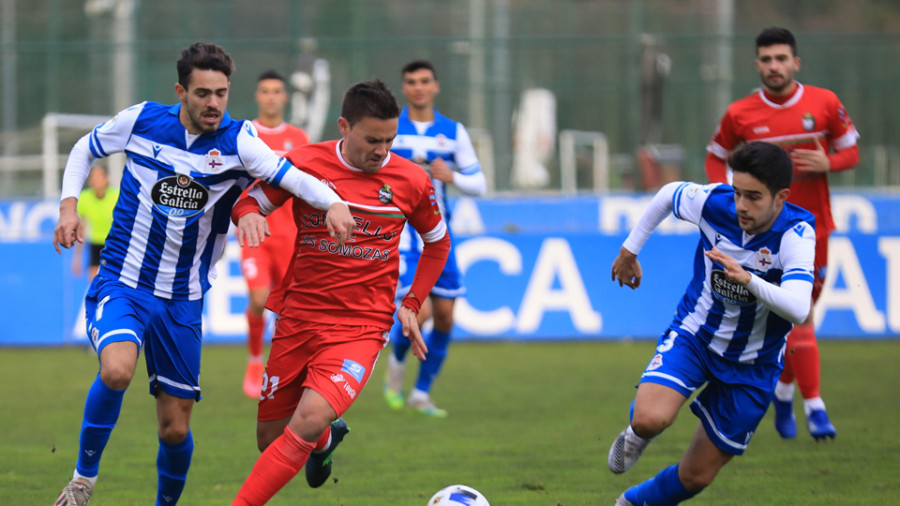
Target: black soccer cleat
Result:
[[318, 466]]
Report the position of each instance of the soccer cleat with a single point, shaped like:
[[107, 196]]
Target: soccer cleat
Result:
[[785, 421], [625, 451], [426, 407], [819, 426], [253, 379], [393, 383], [318, 465], [621, 501], [77, 493]]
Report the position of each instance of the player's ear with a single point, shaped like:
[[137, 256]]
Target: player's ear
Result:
[[781, 195], [180, 91], [343, 126]]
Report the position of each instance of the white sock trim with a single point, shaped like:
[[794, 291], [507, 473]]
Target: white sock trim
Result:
[[812, 404], [784, 391], [91, 479]]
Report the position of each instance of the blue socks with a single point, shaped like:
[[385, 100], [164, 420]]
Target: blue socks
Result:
[[664, 489], [101, 411], [437, 343], [172, 463]]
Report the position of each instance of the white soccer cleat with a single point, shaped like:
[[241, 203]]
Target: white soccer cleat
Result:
[[626, 450], [77, 493]]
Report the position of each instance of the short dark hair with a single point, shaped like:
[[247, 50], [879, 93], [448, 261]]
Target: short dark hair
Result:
[[203, 56], [271, 74], [776, 35], [369, 98], [418, 65], [768, 163]]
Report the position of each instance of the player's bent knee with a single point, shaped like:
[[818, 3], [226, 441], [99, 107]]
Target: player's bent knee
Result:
[[649, 424], [173, 433], [117, 376], [696, 480]]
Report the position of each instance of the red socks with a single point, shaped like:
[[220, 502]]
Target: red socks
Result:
[[281, 461], [802, 361], [257, 326]]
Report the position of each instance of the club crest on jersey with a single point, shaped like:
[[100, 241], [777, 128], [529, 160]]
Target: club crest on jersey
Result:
[[763, 259], [179, 196], [729, 291], [809, 122], [385, 195], [214, 160]]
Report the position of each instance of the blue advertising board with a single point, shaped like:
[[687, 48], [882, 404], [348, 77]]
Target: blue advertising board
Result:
[[535, 269]]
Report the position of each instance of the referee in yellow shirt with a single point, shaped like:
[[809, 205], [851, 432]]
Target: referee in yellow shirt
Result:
[[95, 205]]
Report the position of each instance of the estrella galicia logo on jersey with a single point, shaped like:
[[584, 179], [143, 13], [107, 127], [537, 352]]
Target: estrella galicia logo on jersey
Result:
[[354, 369], [729, 291], [179, 196], [385, 195], [809, 122], [214, 160], [763, 259]]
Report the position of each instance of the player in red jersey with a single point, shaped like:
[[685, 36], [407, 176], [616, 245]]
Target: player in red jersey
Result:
[[812, 125], [264, 267], [335, 304]]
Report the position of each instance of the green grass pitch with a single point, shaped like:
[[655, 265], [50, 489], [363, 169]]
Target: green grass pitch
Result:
[[529, 424]]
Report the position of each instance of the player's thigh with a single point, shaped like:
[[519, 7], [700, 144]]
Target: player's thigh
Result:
[[293, 346], [115, 313], [172, 349], [734, 401], [342, 365]]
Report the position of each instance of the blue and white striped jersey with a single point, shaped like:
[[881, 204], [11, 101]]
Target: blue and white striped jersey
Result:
[[444, 138], [171, 222], [732, 321]]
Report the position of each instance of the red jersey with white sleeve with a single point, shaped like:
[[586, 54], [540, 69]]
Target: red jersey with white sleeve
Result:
[[282, 139], [353, 284], [808, 116]]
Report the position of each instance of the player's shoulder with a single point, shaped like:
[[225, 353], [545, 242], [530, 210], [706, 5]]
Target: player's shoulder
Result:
[[798, 220], [405, 169], [305, 154], [817, 91], [751, 101]]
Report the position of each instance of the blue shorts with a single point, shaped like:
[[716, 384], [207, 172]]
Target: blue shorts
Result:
[[168, 330], [736, 396], [449, 285]]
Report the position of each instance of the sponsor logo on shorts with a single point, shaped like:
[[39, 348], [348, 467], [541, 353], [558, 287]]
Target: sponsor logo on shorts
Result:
[[350, 391], [655, 363], [337, 378], [354, 369]]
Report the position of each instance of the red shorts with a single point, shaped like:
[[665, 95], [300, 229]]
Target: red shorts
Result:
[[820, 265], [334, 360], [264, 267]]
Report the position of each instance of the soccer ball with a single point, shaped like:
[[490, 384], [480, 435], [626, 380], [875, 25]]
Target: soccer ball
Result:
[[457, 495]]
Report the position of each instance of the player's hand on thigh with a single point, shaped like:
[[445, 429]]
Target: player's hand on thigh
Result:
[[252, 230]]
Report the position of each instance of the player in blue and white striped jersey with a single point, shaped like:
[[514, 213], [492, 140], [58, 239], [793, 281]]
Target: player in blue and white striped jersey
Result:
[[186, 166], [443, 147], [753, 276]]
